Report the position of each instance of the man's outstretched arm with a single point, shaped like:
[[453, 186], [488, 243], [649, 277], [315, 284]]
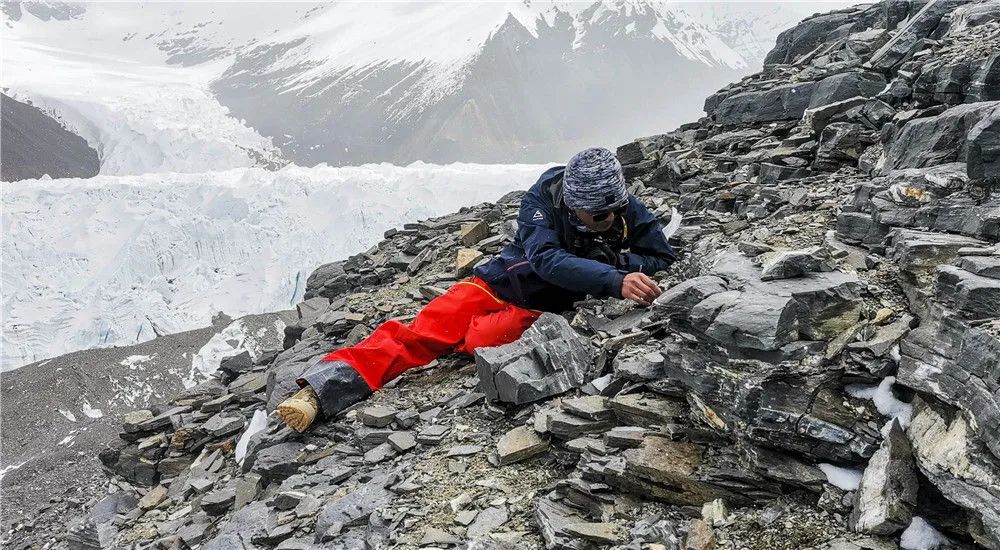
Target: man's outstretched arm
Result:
[[649, 250], [555, 264]]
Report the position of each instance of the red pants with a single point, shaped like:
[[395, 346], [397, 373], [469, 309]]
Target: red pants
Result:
[[466, 317]]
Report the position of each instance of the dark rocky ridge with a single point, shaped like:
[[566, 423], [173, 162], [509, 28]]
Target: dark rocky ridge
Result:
[[34, 145], [820, 256]]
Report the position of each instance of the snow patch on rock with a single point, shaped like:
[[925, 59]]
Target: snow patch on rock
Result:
[[847, 479]]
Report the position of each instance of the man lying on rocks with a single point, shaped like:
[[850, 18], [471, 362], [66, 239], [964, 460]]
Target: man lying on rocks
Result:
[[572, 228]]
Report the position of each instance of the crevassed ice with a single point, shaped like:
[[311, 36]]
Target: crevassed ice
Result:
[[115, 259]]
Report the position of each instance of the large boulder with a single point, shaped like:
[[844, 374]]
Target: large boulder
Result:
[[786, 102], [843, 86], [909, 37], [766, 315], [964, 472], [984, 148], [806, 36], [939, 139], [550, 358], [887, 496], [985, 85], [958, 364]]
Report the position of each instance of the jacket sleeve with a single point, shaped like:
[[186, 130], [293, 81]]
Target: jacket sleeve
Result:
[[556, 265], [649, 250]]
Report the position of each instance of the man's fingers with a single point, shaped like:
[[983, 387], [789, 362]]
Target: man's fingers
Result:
[[650, 289], [636, 295], [640, 288]]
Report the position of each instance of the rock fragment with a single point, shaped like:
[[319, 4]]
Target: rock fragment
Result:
[[549, 358], [519, 444], [887, 497]]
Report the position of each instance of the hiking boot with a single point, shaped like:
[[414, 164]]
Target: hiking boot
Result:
[[299, 411]]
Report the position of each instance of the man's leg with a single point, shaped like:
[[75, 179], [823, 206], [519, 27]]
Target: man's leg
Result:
[[348, 375], [498, 328]]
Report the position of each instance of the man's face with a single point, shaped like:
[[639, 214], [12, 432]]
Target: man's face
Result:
[[598, 221]]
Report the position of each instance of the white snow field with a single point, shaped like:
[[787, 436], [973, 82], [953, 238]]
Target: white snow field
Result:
[[113, 260]]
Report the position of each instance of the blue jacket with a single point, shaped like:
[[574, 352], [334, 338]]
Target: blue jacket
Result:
[[552, 263]]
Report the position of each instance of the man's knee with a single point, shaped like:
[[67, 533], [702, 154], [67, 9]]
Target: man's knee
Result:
[[497, 329]]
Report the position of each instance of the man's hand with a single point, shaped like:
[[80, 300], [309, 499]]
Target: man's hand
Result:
[[639, 288]]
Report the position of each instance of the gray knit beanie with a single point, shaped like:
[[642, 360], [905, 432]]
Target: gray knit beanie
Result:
[[593, 181]]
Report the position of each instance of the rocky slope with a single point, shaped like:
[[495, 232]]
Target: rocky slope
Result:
[[822, 372], [36, 145]]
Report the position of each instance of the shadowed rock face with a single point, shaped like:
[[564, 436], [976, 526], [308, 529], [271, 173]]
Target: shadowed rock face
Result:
[[34, 145]]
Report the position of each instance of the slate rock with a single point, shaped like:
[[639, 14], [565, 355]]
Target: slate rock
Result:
[[276, 462], [751, 399], [153, 497], [804, 37], [402, 441], [678, 300], [432, 435], [983, 154], [910, 36], [550, 516], [488, 520], [769, 315], [787, 102], [238, 531], [887, 497], [550, 358], [957, 364], [671, 471], [770, 173], [794, 263], [193, 534], [219, 502], [353, 508], [568, 426], [437, 537], [647, 410], [975, 296], [847, 85], [519, 444], [235, 365], [591, 407], [964, 472], [939, 139], [377, 417], [600, 533], [985, 85], [221, 425]]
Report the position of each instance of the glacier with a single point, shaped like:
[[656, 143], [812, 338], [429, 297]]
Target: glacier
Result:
[[116, 260]]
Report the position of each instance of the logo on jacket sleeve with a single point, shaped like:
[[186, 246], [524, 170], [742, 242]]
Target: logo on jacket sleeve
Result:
[[537, 216]]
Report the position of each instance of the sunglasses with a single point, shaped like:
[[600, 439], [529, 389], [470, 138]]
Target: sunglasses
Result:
[[601, 216]]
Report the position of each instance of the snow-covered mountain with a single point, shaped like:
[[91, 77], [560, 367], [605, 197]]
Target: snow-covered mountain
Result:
[[116, 260], [178, 86]]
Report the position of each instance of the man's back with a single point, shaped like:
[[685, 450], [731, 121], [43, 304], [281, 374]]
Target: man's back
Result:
[[554, 261]]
